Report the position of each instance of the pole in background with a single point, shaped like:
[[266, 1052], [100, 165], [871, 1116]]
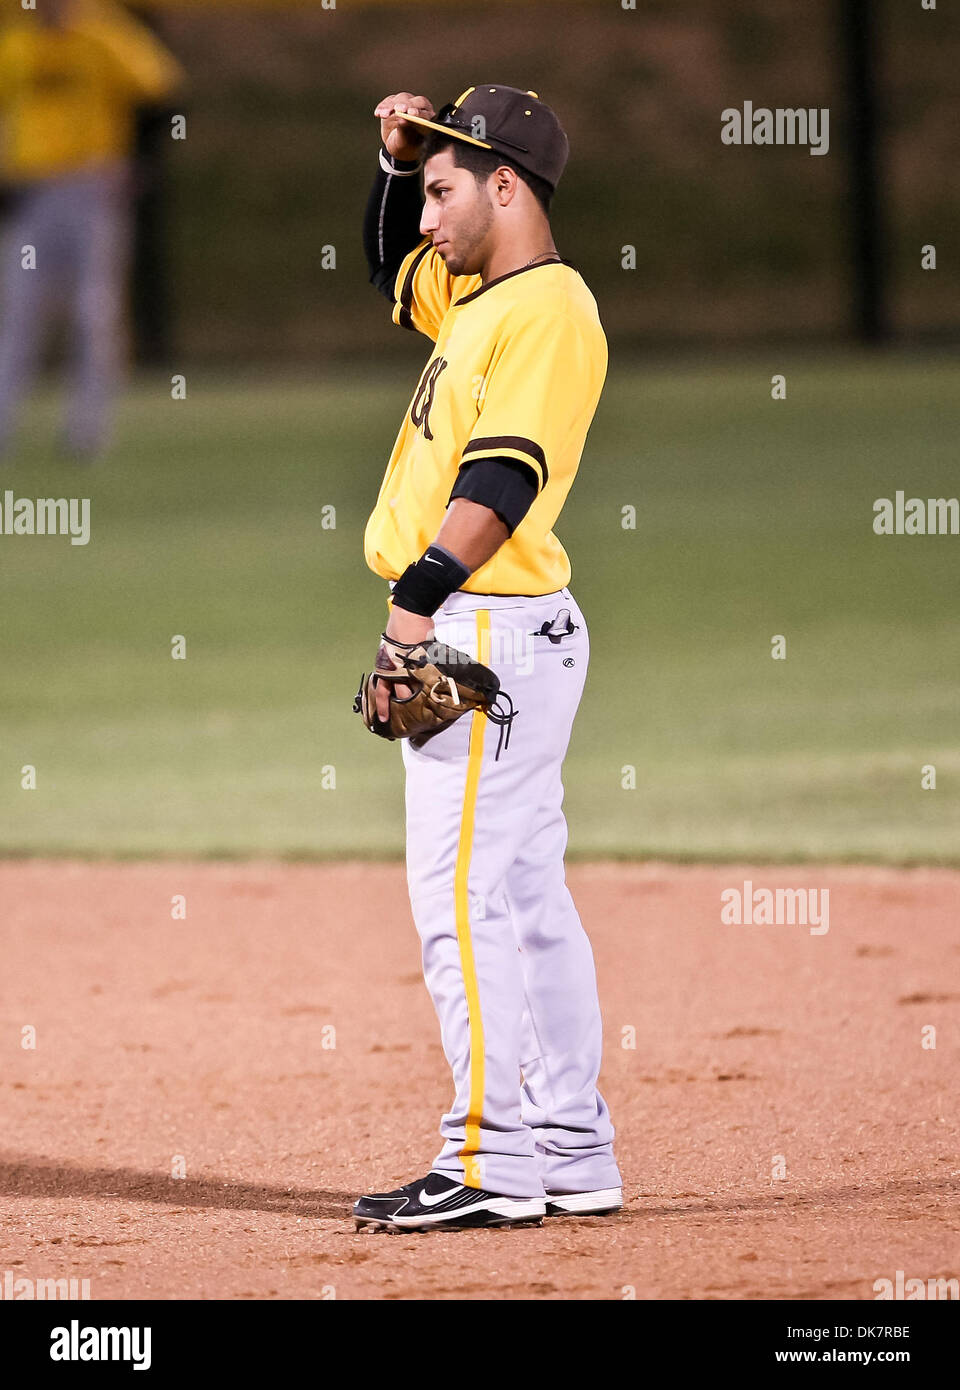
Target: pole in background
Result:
[[861, 47], [150, 288]]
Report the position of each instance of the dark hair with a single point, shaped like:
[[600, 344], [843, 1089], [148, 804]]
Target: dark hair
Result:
[[481, 164]]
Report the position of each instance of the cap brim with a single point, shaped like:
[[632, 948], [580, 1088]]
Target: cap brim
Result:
[[445, 130]]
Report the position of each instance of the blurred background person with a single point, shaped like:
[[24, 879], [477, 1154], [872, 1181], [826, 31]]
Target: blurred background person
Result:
[[73, 74]]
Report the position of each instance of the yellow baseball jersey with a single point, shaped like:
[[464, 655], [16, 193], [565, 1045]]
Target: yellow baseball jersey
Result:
[[517, 371], [67, 95]]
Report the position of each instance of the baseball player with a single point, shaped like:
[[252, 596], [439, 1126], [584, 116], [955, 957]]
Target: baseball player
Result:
[[462, 530], [72, 74]]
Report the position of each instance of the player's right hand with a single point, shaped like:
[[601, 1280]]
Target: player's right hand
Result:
[[402, 139]]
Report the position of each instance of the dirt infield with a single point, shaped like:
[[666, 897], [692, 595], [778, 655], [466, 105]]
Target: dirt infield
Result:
[[782, 1130]]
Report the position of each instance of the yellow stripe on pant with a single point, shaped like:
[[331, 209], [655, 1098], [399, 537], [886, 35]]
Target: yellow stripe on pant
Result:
[[471, 1168]]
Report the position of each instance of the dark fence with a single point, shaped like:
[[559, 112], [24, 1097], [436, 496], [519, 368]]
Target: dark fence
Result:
[[726, 244]]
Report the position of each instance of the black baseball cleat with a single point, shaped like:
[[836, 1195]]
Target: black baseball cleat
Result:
[[598, 1203], [438, 1202]]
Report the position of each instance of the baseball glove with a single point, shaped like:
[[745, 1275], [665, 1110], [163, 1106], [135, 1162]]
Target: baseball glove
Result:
[[446, 684]]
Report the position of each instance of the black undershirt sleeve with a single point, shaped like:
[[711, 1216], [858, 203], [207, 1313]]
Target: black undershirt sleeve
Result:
[[391, 223], [506, 486]]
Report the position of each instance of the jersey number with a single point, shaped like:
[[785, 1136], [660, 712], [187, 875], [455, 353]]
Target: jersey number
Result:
[[423, 400]]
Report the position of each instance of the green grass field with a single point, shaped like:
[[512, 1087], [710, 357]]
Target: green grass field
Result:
[[753, 519]]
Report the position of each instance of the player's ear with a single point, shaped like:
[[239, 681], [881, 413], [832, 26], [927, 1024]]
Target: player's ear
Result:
[[504, 185]]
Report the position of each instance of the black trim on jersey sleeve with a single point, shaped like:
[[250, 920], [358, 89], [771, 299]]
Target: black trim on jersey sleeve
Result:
[[391, 223], [512, 444], [506, 486], [406, 290]]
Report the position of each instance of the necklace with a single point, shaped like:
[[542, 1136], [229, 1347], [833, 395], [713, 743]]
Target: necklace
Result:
[[541, 256]]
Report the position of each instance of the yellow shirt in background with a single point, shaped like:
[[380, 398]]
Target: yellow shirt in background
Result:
[[67, 95]]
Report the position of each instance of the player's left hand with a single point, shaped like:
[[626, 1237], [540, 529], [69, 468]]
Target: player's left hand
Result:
[[403, 627]]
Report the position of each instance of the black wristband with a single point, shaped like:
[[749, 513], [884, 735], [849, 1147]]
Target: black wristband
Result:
[[423, 587]]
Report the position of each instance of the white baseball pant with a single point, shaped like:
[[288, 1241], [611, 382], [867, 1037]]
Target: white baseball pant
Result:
[[505, 957]]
